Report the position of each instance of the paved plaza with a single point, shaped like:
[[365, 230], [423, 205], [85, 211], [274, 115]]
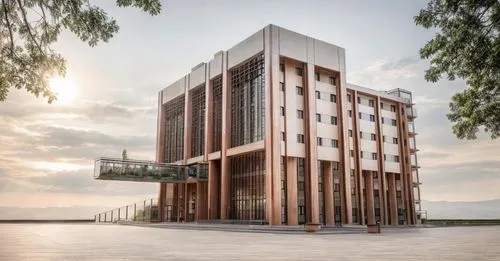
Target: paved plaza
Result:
[[116, 242]]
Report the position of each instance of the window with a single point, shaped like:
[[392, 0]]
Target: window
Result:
[[374, 155], [381, 105], [333, 98], [383, 138], [282, 67], [350, 133], [283, 136], [282, 110], [332, 80], [282, 86], [393, 108], [395, 140], [350, 113], [372, 118], [349, 97], [301, 185], [385, 157], [352, 153], [370, 103], [393, 121], [373, 136], [300, 138], [333, 120], [298, 71], [359, 99], [318, 117], [362, 154], [317, 76], [335, 143], [360, 134], [319, 140], [300, 90], [318, 95], [383, 120], [300, 114], [396, 158], [360, 115]]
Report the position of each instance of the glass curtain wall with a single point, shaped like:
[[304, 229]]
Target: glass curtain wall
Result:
[[174, 129], [217, 114], [248, 186], [198, 121], [301, 195], [247, 102]]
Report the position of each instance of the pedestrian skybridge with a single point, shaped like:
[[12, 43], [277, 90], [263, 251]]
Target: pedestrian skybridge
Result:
[[147, 171]]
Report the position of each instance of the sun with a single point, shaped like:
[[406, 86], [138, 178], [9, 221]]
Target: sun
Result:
[[64, 89]]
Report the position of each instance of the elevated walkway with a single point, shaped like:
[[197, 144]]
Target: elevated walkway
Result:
[[147, 171]]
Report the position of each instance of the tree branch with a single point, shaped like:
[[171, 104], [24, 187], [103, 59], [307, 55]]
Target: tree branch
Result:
[[8, 26], [23, 12]]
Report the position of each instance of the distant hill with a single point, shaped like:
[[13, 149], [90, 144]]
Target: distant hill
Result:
[[435, 210], [74, 212], [462, 210]]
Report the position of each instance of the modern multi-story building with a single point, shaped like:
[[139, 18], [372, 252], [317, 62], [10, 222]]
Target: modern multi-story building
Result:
[[285, 139]]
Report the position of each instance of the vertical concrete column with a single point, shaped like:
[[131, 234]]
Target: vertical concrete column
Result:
[[162, 201], [186, 201], [160, 149], [177, 199], [311, 145], [345, 160], [328, 193], [187, 121], [213, 189], [381, 163], [357, 158], [225, 193], [268, 137], [370, 203], [391, 182], [199, 200], [291, 190], [209, 101]]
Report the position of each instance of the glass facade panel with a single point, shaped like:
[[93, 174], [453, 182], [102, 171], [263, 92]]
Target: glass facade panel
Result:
[[198, 121], [174, 129], [217, 114]]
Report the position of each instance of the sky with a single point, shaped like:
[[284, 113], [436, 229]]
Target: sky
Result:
[[47, 150]]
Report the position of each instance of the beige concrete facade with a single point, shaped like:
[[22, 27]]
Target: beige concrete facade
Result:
[[287, 140]]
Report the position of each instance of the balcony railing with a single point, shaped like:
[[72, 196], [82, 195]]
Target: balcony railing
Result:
[[411, 130], [144, 211], [146, 171], [412, 112]]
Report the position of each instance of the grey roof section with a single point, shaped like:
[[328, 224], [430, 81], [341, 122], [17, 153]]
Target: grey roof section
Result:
[[382, 94]]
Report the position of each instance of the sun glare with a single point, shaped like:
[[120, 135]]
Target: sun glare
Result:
[[64, 88]]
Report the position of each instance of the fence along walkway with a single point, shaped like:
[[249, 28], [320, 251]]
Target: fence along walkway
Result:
[[144, 211]]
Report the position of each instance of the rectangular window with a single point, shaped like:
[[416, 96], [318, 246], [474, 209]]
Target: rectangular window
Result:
[[333, 120], [383, 138], [282, 86], [371, 103], [317, 76], [381, 106], [319, 140], [349, 97], [383, 120], [372, 118], [393, 108], [333, 98], [300, 90], [318, 95], [301, 185], [300, 114], [360, 134], [282, 67], [359, 99], [385, 157], [395, 140], [283, 136], [332, 80], [335, 143], [362, 154], [352, 153], [393, 121], [298, 71], [282, 110], [350, 113], [300, 138], [318, 117], [350, 133], [374, 155], [396, 158], [373, 136]]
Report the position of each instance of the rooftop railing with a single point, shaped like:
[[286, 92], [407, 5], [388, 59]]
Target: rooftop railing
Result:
[[144, 211]]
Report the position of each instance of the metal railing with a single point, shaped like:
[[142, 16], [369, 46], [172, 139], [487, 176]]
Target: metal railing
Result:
[[144, 211], [412, 112], [146, 171]]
